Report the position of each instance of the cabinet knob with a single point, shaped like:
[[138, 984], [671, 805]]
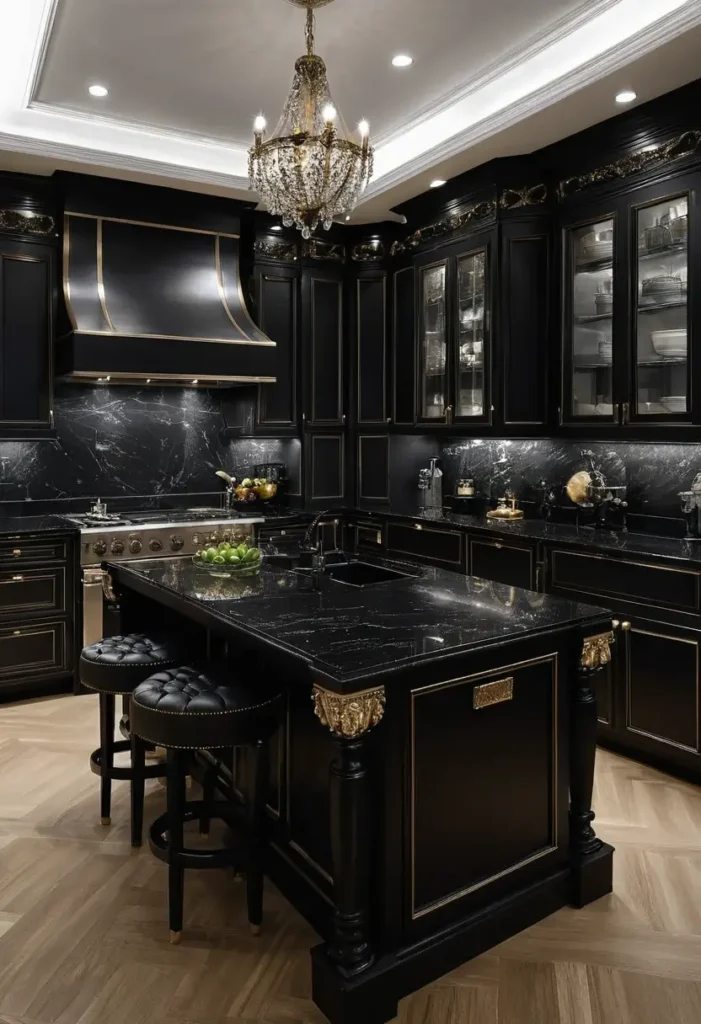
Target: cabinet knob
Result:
[[418, 526], [615, 623], [17, 552], [625, 625], [16, 579], [389, 419]]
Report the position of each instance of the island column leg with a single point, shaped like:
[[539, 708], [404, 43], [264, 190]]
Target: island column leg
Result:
[[592, 859], [349, 952]]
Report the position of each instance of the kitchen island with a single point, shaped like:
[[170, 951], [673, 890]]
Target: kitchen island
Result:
[[432, 782]]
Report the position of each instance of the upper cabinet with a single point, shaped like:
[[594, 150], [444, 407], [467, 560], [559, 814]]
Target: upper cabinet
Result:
[[323, 355], [27, 303], [629, 269]]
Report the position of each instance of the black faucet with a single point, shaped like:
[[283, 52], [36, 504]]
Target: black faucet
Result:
[[316, 549]]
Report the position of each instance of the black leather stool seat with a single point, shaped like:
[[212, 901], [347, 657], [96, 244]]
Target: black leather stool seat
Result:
[[191, 707], [119, 663]]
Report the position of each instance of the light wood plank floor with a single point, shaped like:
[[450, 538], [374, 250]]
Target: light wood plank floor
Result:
[[84, 939]]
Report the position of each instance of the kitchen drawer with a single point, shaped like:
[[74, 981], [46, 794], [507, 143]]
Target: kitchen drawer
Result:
[[444, 547], [36, 650], [22, 551], [368, 536], [502, 562], [640, 582], [33, 591]]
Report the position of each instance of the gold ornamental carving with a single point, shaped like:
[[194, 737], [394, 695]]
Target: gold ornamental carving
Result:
[[596, 651], [349, 715], [487, 694]]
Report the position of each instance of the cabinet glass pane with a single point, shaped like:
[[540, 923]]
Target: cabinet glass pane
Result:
[[433, 348], [661, 324], [469, 395], [592, 319]]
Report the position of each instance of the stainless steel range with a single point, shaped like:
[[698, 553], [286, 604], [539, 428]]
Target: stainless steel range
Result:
[[152, 533]]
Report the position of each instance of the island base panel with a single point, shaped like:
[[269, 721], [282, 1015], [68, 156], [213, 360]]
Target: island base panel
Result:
[[592, 876], [372, 996]]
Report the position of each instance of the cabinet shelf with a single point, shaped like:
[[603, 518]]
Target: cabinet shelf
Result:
[[658, 306], [593, 318], [591, 266], [673, 249]]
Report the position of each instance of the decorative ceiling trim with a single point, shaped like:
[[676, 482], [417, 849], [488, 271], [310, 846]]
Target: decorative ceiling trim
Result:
[[276, 249], [655, 35], [368, 252], [449, 224], [19, 223], [314, 249], [641, 160]]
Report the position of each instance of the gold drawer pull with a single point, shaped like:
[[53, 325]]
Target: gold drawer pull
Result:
[[17, 632], [498, 545], [625, 625], [492, 693], [418, 526], [17, 552], [16, 579]]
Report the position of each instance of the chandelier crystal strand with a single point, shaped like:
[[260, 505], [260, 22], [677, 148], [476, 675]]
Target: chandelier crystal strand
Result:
[[310, 169]]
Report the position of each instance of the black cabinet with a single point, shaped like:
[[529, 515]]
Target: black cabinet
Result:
[[370, 340], [403, 347], [277, 290], [632, 271], [27, 302], [440, 546], [373, 468], [323, 356], [325, 469], [501, 561]]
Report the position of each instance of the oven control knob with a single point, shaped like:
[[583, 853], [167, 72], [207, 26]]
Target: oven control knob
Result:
[[100, 547], [176, 542], [117, 547], [155, 544], [135, 546]]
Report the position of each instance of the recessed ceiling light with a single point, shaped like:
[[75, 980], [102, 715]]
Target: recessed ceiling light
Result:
[[276, 227], [347, 216], [437, 183], [625, 96], [402, 60], [97, 90]]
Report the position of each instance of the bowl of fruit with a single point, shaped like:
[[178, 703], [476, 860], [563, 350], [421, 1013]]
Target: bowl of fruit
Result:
[[230, 560], [255, 489]]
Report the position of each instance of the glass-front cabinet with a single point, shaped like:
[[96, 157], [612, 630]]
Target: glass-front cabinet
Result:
[[661, 364], [589, 388], [626, 334], [454, 312]]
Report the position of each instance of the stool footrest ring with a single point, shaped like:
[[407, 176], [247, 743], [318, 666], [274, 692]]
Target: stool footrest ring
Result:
[[222, 857], [124, 773]]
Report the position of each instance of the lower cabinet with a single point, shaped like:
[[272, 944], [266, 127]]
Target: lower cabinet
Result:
[[502, 561], [438, 545]]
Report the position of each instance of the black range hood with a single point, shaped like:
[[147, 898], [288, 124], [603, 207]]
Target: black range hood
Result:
[[158, 304]]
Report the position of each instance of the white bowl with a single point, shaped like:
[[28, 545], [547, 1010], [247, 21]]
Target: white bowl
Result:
[[669, 343]]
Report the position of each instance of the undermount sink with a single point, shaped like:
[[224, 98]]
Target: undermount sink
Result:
[[360, 574]]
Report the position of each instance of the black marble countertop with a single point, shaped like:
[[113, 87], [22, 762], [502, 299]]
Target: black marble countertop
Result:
[[348, 635], [22, 526], [605, 541]]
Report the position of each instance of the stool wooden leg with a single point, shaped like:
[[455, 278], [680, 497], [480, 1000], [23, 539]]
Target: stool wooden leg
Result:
[[256, 805], [176, 810], [138, 762], [106, 754], [208, 787]]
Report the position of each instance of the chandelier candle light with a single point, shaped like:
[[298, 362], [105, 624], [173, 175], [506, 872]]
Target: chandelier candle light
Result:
[[310, 170]]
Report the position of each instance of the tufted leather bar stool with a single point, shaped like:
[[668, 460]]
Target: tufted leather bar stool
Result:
[[205, 708], [114, 666]]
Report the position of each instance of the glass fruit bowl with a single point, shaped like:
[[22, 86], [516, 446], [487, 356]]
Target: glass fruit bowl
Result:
[[229, 560]]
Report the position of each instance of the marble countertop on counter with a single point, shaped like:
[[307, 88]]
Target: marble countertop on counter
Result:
[[606, 541], [18, 526], [348, 634]]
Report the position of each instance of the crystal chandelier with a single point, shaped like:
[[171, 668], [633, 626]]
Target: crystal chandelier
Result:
[[310, 169]]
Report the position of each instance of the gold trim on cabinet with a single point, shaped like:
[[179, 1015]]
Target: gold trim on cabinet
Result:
[[339, 408], [147, 224], [100, 278], [462, 680], [654, 736], [636, 599], [220, 288], [372, 280], [488, 694], [371, 437], [394, 343]]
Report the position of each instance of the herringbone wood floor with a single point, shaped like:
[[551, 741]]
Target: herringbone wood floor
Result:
[[84, 939]]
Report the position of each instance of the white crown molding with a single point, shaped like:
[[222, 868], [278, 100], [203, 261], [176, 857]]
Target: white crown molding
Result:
[[655, 35], [535, 45]]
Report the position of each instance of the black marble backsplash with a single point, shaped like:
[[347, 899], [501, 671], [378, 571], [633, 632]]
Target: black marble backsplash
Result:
[[652, 473], [132, 443]]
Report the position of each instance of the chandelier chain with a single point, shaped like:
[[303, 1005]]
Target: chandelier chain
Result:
[[309, 31]]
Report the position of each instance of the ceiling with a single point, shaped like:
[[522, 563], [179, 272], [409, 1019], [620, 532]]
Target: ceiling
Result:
[[207, 68], [186, 77]]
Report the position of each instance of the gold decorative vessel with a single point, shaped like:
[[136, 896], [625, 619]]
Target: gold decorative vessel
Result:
[[579, 487], [505, 511]]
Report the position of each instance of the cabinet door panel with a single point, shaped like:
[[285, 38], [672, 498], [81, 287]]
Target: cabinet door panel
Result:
[[524, 329], [327, 467], [662, 680], [470, 363], [404, 329], [433, 342], [503, 563], [277, 314], [25, 337], [373, 467], [326, 352], [36, 592], [372, 350], [441, 546]]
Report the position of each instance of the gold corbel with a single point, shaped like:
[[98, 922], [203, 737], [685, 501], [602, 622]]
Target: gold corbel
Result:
[[349, 715], [596, 651]]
